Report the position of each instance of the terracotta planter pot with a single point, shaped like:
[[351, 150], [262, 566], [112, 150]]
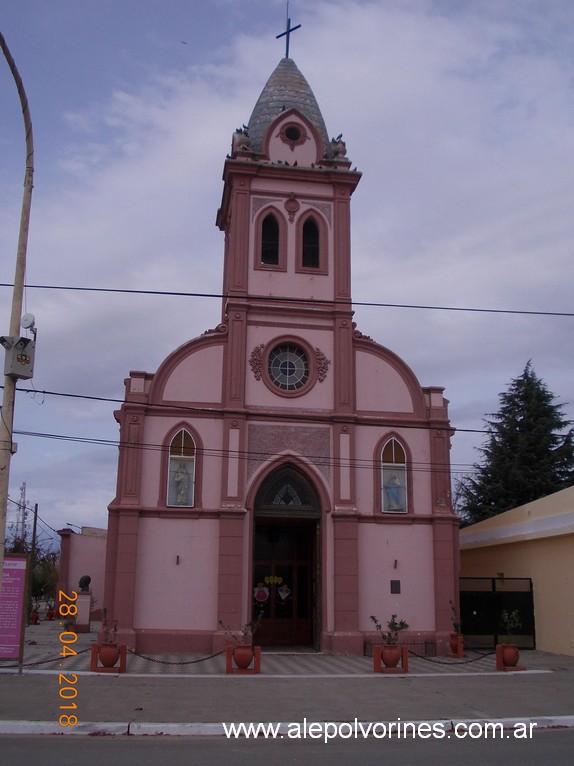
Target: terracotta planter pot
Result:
[[109, 654], [34, 618], [243, 655], [391, 654], [242, 658], [510, 655], [456, 644], [108, 658]]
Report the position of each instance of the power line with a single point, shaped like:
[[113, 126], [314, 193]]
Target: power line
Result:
[[45, 523], [315, 301], [40, 519], [260, 415], [219, 411], [318, 460]]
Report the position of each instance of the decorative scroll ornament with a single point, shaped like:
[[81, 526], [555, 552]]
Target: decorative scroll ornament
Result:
[[221, 328], [322, 364], [358, 334], [256, 361], [291, 206]]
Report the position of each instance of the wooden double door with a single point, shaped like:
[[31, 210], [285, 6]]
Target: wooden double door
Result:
[[285, 581]]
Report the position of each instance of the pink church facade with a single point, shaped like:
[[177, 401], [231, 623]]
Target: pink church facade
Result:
[[282, 462]]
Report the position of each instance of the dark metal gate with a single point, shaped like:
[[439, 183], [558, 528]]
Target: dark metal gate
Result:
[[483, 599]]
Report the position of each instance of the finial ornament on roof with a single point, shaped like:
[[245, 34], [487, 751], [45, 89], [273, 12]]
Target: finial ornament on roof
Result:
[[287, 32]]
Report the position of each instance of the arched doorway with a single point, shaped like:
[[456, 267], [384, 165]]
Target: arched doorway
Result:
[[286, 558]]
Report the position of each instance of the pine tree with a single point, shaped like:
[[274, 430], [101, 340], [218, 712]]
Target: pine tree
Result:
[[527, 454]]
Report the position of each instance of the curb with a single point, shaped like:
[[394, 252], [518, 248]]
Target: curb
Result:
[[260, 677], [109, 728], [93, 728]]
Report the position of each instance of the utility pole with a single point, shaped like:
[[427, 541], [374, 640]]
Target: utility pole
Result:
[[21, 521], [7, 419], [32, 562]]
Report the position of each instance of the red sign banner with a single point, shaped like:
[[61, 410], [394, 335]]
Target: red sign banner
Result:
[[12, 600]]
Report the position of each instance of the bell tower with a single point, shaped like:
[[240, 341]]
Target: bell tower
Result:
[[286, 217]]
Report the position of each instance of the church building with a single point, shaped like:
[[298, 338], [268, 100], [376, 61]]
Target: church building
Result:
[[282, 462]]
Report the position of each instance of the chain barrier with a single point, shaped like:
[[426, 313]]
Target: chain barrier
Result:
[[43, 662], [136, 654], [211, 656], [217, 654], [451, 662], [175, 662]]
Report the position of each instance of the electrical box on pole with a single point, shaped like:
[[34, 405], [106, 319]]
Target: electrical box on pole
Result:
[[19, 359]]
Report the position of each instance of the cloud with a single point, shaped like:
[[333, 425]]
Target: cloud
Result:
[[459, 116]]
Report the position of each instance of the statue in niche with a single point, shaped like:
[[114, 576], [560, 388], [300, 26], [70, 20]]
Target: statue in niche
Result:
[[181, 480], [84, 583], [393, 491]]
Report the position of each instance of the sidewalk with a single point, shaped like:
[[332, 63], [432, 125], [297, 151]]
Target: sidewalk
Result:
[[196, 697]]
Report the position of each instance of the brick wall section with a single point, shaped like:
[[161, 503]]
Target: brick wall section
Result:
[[230, 580], [346, 574]]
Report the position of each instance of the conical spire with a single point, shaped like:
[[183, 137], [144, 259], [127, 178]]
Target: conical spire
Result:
[[286, 89]]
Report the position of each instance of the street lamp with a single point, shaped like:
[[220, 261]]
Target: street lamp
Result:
[[7, 415]]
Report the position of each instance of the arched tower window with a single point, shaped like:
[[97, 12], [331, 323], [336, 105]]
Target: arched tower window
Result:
[[270, 240], [311, 244], [181, 474], [394, 477]]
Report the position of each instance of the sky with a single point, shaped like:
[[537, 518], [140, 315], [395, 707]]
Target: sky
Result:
[[459, 113]]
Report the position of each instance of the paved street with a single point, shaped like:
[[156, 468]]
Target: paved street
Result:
[[161, 695], [546, 747]]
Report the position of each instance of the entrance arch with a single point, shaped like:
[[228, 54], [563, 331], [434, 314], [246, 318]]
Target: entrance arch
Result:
[[286, 559]]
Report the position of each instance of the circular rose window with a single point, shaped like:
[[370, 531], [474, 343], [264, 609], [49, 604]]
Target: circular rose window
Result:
[[288, 367]]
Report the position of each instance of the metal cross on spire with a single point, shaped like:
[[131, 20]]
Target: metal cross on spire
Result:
[[287, 32]]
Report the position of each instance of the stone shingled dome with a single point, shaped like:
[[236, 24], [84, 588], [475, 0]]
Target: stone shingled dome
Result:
[[286, 89]]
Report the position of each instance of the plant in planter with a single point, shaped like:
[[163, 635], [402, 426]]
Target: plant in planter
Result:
[[456, 642], [69, 623], [241, 647], [391, 636], [391, 652], [456, 624], [507, 655], [510, 621], [108, 648], [35, 614]]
